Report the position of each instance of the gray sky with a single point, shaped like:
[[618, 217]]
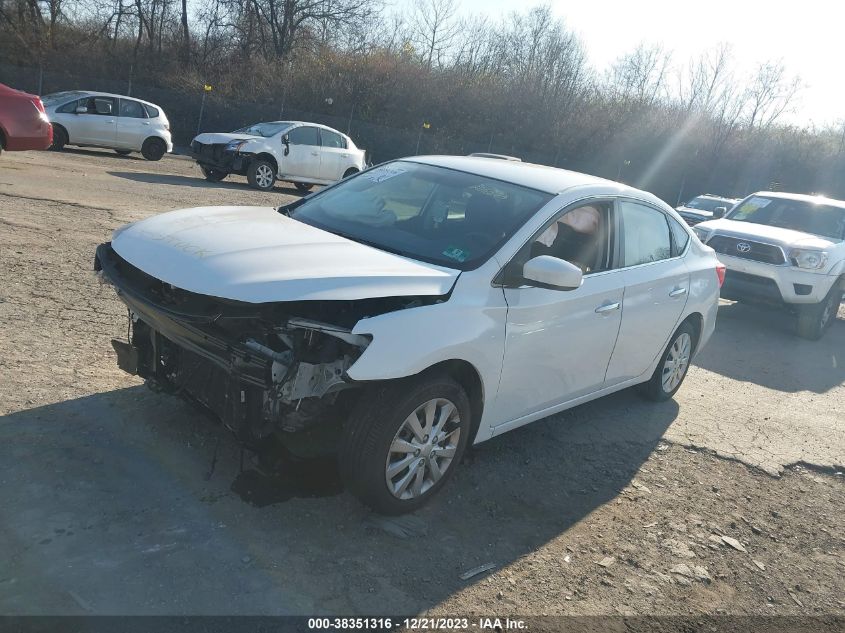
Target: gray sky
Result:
[[808, 35]]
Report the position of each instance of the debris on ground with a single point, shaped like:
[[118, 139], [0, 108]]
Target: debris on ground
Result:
[[607, 561], [734, 543]]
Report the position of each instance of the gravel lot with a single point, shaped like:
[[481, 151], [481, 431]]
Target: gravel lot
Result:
[[729, 499]]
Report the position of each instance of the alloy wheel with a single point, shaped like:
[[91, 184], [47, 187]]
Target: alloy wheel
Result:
[[676, 363], [423, 449], [264, 176]]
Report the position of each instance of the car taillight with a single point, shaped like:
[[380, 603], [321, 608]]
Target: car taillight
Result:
[[720, 273]]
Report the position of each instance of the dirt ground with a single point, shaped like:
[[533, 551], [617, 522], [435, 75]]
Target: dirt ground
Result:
[[727, 500]]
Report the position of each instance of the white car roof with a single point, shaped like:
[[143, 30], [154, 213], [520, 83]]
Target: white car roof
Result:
[[94, 93], [803, 197], [540, 177]]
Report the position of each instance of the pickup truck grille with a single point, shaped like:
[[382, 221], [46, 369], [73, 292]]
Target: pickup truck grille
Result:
[[746, 249]]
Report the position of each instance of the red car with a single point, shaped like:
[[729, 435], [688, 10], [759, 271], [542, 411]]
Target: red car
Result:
[[23, 122]]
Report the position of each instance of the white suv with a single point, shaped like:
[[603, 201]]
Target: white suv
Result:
[[100, 119], [302, 153], [413, 309], [784, 248]]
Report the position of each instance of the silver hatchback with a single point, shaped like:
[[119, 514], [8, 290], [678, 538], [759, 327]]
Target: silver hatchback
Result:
[[100, 119]]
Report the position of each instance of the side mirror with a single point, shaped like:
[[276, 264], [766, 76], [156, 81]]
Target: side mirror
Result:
[[286, 143], [81, 110], [719, 212], [551, 272]]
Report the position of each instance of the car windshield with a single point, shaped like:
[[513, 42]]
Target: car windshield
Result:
[[265, 129], [799, 215], [707, 204], [60, 96], [437, 215]]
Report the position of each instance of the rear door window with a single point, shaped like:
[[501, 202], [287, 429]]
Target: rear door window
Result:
[[332, 139], [132, 109]]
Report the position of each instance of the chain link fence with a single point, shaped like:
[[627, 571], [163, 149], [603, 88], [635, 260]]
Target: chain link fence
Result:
[[222, 114]]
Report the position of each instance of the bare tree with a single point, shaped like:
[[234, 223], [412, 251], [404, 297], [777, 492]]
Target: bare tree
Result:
[[770, 94], [434, 27], [640, 76]]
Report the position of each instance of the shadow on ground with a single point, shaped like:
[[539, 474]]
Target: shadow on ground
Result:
[[759, 345], [101, 153], [107, 510], [196, 181]]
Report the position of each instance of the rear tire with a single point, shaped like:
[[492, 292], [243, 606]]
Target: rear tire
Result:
[[303, 186], [349, 172], [673, 366], [60, 138], [261, 175], [212, 175], [814, 319], [123, 152], [378, 449], [153, 149]]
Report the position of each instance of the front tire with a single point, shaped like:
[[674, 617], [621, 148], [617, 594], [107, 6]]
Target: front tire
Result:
[[673, 366], [261, 175], [153, 149], [60, 138], [816, 318], [212, 175], [404, 441]]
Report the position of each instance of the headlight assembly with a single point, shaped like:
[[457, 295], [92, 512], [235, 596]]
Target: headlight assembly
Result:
[[235, 146], [811, 259]]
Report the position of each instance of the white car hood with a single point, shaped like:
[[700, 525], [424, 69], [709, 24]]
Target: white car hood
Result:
[[767, 234], [210, 138], [257, 255]]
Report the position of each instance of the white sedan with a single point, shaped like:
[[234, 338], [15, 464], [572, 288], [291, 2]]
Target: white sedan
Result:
[[413, 309], [305, 154]]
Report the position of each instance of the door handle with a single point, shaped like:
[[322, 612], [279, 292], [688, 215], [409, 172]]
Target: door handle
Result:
[[607, 307], [677, 292], [146, 122], [315, 153]]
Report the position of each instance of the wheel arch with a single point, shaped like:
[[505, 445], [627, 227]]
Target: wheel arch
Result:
[[64, 130], [351, 171], [696, 319], [270, 159], [467, 376]]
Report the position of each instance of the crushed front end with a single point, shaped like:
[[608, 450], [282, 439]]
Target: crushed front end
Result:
[[260, 368]]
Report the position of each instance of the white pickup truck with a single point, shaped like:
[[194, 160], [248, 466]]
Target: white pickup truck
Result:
[[783, 248], [305, 154]]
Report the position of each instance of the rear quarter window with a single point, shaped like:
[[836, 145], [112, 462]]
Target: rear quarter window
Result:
[[152, 112]]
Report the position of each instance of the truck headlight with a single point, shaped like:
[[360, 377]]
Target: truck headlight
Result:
[[807, 258], [703, 234]]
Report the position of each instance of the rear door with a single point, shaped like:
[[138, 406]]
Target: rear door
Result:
[[656, 283], [133, 126], [303, 158], [334, 156]]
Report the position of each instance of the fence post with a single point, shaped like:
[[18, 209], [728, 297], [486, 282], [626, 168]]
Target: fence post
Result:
[[40, 79], [129, 87], [205, 89]]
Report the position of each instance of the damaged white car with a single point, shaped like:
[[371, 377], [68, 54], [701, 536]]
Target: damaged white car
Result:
[[414, 309]]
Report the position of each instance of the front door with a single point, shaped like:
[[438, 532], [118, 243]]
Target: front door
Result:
[[558, 342], [303, 157], [98, 124]]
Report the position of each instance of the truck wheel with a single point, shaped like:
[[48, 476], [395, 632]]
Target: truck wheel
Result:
[[815, 318], [212, 175], [261, 175], [303, 186], [404, 441], [60, 138], [673, 365], [153, 149]]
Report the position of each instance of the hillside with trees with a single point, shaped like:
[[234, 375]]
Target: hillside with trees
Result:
[[522, 85]]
